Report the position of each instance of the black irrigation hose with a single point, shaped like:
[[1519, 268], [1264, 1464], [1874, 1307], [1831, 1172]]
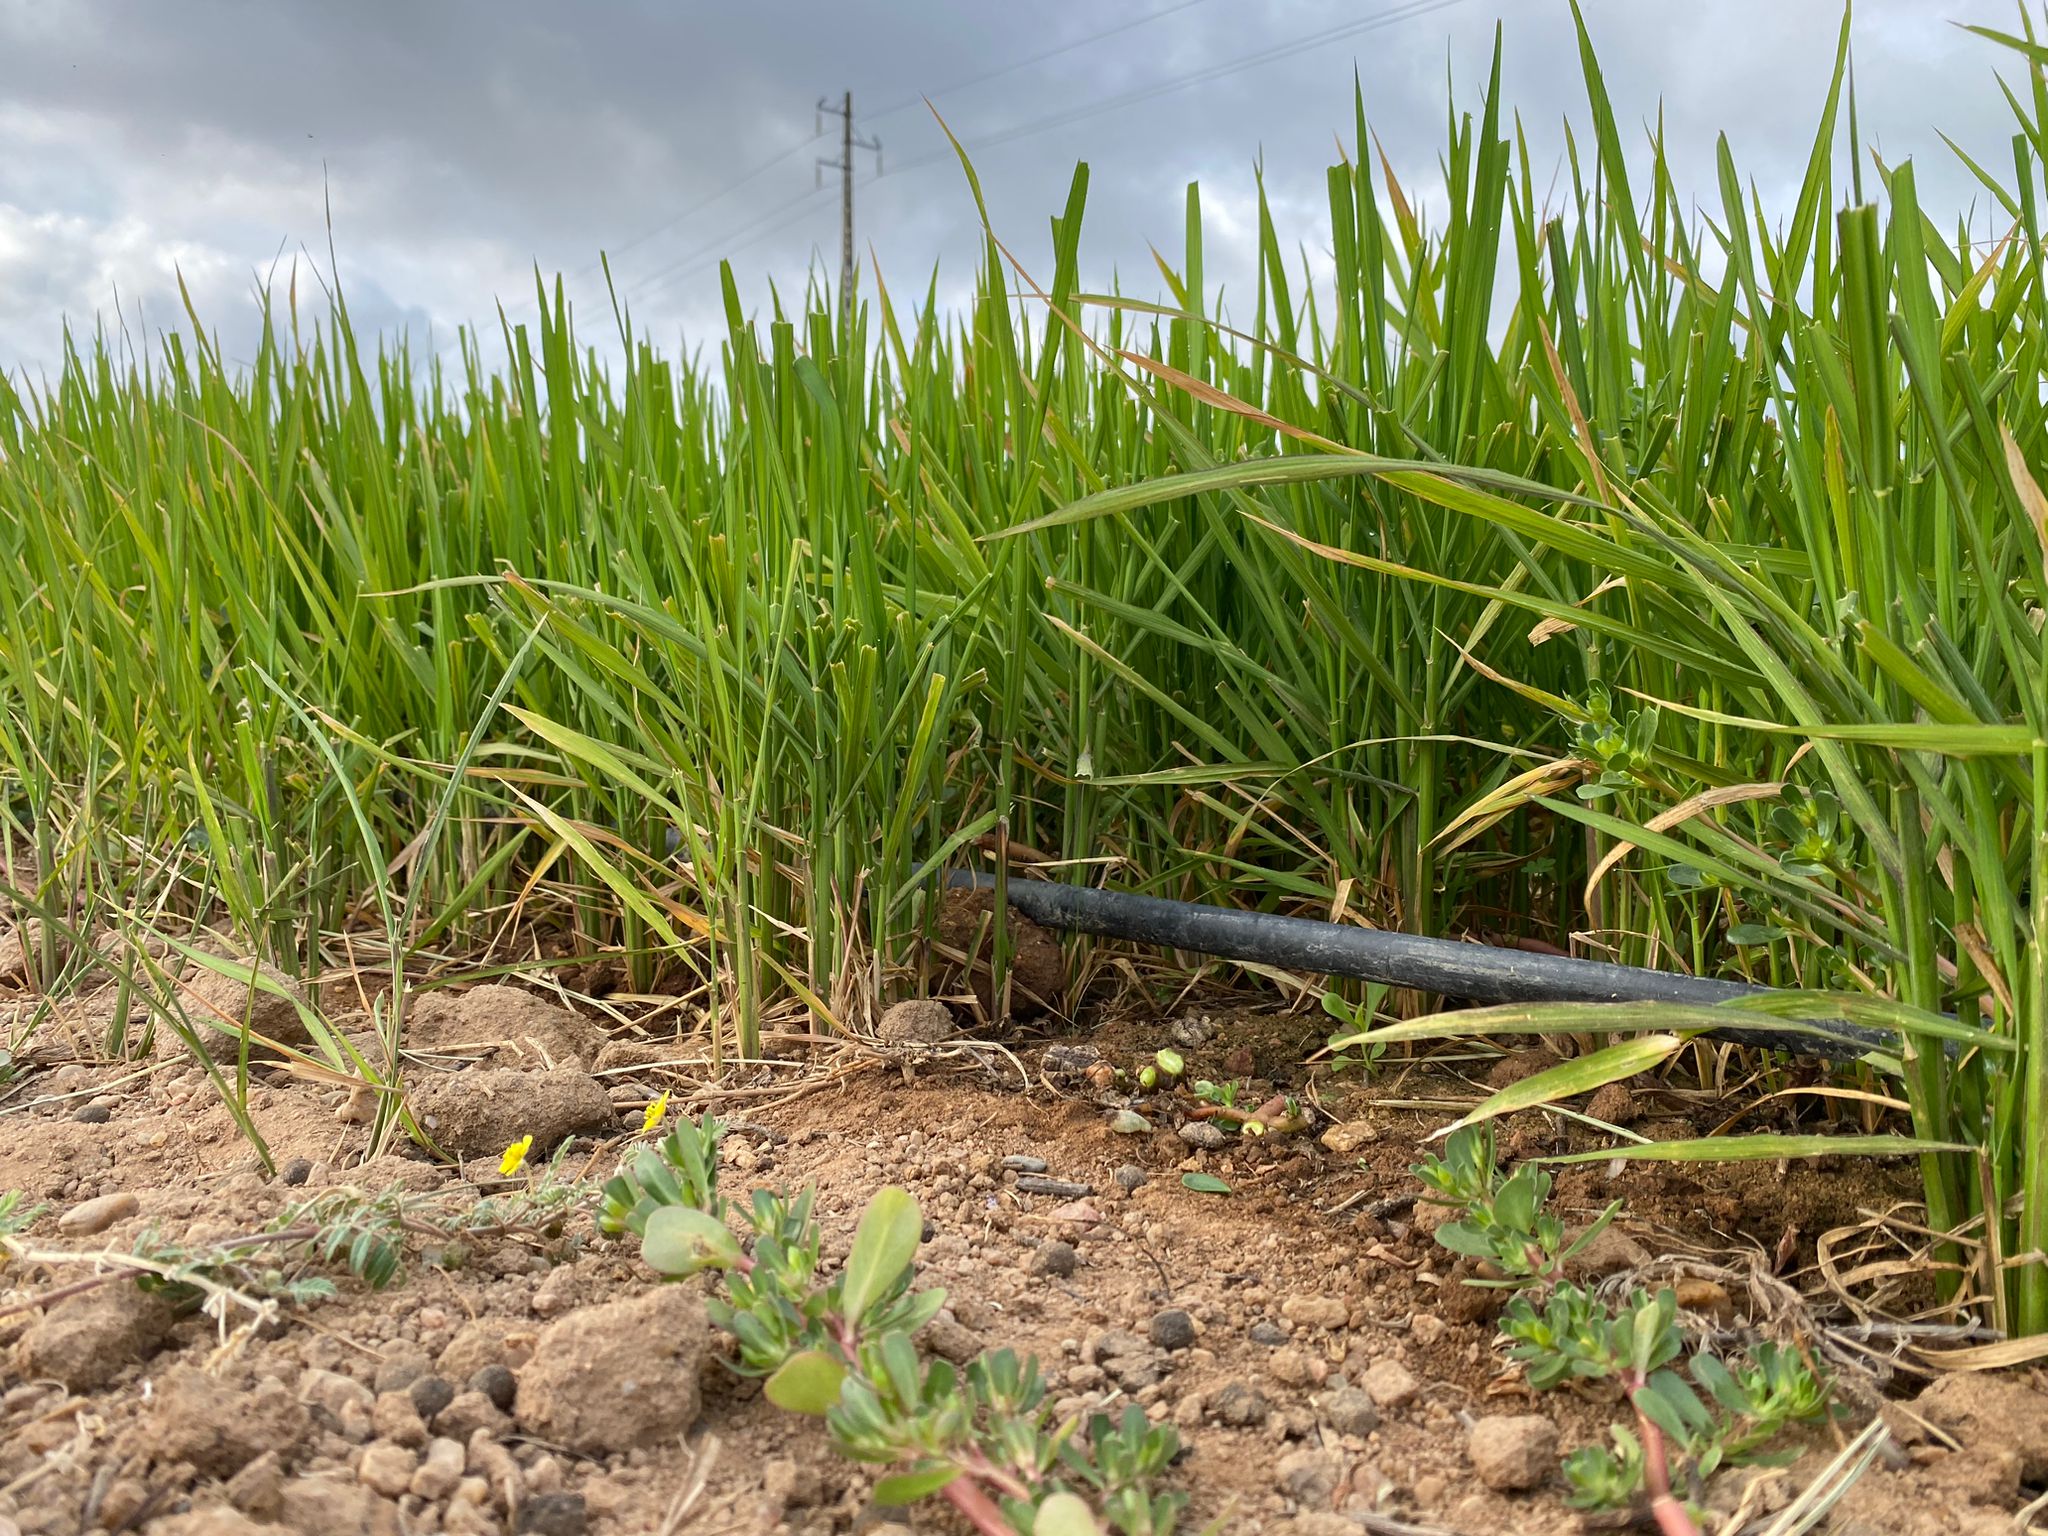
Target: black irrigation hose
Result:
[[1478, 973]]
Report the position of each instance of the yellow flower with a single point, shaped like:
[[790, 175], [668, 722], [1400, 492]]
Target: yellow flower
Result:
[[515, 1156], [654, 1113]]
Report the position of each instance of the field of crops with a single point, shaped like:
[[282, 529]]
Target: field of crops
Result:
[[1574, 566], [1662, 584]]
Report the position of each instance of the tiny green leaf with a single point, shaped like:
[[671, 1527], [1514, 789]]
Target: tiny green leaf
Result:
[[681, 1240], [807, 1383], [919, 1483], [882, 1249], [1204, 1184], [1065, 1514], [1725, 1390]]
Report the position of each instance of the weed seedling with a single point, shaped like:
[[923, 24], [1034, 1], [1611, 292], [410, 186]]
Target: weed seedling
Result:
[[842, 1348], [294, 1261], [1281, 1114], [1352, 1047], [1561, 1333], [1501, 1220]]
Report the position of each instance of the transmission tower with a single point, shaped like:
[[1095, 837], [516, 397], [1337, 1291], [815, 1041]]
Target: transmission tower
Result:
[[848, 143]]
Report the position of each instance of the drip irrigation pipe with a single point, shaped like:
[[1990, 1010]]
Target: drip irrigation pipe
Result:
[[1476, 973]]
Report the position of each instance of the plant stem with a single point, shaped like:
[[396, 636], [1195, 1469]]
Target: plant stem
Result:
[[967, 1496], [1665, 1509], [978, 1465]]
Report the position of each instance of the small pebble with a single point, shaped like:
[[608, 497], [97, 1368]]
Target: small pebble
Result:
[[1017, 1162], [92, 1114], [393, 1417], [398, 1372], [387, 1469], [296, 1172], [1315, 1311], [1350, 1411], [1270, 1334], [947, 1336], [98, 1215], [469, 1412], [1130, 1178], [551, 1514], [1291, 1368], [1191, 1031], [1110, 1344], [430, 1394], [1513, 1452], [1203, 1135], [498, 1384], [1390, 1384], [1054, 1258], [1239, 1405], [1062, 1189], [441, 1471], [1173, 1329], [1309, 1477]]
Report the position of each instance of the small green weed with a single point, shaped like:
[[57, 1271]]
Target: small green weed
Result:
[[1501, 1219], [295, 1260], [1352, 1048], [1726, 1415], [841, 1348]]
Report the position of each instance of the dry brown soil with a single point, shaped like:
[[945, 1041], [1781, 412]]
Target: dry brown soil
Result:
[[1332, 1385]]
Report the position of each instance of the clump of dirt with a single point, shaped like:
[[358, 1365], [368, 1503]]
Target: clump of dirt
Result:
[[503, 1025], [618, 1376], [482, 1111], [1303, 1331], [219, 1006], [1038, 968]]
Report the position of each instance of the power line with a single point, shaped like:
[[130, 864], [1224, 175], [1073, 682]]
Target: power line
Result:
[[1410, 10], [697, 207], [915, 97], [708, 261], [908, 101], [711, 252], [705, 202]]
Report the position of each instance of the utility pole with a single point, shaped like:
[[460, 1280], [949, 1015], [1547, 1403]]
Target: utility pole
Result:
[[848, 143]]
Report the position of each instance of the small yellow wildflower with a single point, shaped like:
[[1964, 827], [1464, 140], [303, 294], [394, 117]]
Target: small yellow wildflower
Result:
[[654, 1113], [515, 1156]]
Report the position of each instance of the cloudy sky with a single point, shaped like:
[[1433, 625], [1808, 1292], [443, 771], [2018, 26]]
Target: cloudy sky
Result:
[[458, 143]]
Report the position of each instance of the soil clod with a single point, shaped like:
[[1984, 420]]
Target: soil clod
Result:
[[1513, 1453], [87, 1341], [612, 1377], [1054, 1258], [920, 1021], [482, 1111], [1173, 1329]]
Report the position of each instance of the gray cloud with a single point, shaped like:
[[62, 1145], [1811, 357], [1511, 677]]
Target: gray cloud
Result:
[[461, 142]]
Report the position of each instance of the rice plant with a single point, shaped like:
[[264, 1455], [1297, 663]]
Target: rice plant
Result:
[[1674, 598], [1779, 496]]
